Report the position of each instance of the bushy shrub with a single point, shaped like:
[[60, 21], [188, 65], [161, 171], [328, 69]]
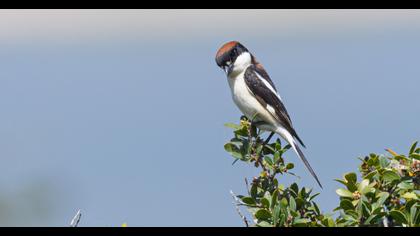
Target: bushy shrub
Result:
[[386, 195]]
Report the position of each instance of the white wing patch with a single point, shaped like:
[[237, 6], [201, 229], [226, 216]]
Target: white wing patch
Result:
[[268, 85], [271, 110]]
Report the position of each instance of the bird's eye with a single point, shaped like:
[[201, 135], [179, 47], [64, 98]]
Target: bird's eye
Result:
[[234, 52]]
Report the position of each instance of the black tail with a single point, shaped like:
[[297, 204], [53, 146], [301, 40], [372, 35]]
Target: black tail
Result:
[[303, 158]]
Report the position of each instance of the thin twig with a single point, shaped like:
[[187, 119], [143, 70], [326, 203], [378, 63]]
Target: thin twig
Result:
[[259, 160], [237, 202], [259, 156], [76, 219]]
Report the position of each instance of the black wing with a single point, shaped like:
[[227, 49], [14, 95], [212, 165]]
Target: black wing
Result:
[[258, 67], [253, 79]]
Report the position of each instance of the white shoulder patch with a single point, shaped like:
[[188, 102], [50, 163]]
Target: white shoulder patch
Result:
[[272, 111]]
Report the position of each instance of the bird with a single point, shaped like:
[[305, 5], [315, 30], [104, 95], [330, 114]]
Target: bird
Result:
[[256, 96]]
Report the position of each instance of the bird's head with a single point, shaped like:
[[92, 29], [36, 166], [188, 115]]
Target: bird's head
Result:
[[233, 57]]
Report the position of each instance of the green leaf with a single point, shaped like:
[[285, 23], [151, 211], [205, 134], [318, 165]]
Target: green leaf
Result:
[[248, 200], [341, 181], [382, 198], [313, 196], [406, 185], [352, 187], [413, 147], [233, 150], [359, 209], [265, 202], [268, 160], [383, 161], [303, 192], [258, 150], [262, 214], [409, 195], [287, 147], [269, 147], [241, 132], [377, 210], [363, 185], [344, 193], [292, 203], [233, 126], [330, 222], [400, 158], [284, 202], [318, 212], [276, 157], [324, 221], [274, 198], [246, 149], [415, 156], [277, 145], [350, 177], [352, 213], [252, 210], [254, 191], [281, 187], [294, 213], [413, 211], [236, 141], [372, 219], [398, 216], [409, 203], [282, 219], [299, 202], [370, 175], [294, 187], [276, 215], [299, 222], [264, 224], [275, 183], [390, 176], [290, 166], [366, 209], [346, 204]]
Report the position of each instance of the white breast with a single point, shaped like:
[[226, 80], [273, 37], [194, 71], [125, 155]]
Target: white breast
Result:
[[246, 102]]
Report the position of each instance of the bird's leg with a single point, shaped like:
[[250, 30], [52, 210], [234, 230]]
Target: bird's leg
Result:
[[257, 123], [268, 139]]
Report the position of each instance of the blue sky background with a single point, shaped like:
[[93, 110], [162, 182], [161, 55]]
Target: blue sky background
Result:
[[120, 114]]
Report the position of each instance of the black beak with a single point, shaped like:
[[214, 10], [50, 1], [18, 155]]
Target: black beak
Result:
[[226, 68]]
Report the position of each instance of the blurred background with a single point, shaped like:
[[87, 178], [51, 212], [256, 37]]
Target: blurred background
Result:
[[120, 113]]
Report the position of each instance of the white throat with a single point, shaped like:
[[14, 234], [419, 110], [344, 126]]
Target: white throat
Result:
[[241, 63]]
